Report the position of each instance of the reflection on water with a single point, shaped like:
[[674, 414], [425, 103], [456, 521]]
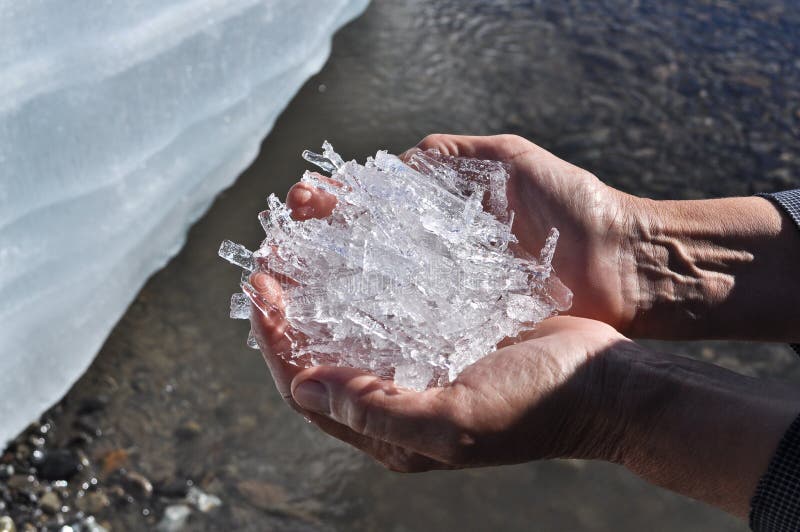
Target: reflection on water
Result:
[[681, 100]]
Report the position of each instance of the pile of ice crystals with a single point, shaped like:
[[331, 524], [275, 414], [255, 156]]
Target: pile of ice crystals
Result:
[[409, 277]]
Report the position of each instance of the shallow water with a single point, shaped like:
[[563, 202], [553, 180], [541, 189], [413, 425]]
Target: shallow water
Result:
[[682, 100]]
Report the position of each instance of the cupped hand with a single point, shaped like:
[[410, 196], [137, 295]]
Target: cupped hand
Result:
[[540, 398], [595, 256], [535, 399]]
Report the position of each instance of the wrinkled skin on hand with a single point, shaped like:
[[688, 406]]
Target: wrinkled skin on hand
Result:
[[595, 255], [575, 387], [534, 399]]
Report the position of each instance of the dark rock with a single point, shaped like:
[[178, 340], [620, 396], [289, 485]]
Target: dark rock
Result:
[[137, 485], [171, 489], [188, 430], [88, 425], [58, 464], [81, 439], [90, 405], [6, 471]]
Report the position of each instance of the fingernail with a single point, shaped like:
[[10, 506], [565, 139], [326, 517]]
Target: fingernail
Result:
[[312, 395], [406, 155], [259, 281], [302, 196]]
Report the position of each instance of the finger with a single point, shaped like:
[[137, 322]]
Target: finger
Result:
[[269, 326], [307, 201], [418, 421], [390, 456], [267, 263], [496, 147]]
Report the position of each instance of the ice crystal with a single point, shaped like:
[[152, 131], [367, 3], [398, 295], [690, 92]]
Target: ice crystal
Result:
[[414, 275]]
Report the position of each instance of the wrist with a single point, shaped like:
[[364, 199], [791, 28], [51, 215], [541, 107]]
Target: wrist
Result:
[[700, 430], [674, 294], [713, 269], [606, 420]]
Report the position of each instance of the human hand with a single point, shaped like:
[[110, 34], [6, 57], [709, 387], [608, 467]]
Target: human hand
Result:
[[595, 254], [575, 387], [719, 268], [540, 398]]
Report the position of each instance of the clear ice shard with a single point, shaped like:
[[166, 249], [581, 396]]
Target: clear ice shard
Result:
[[240, 307], [415, 275], [119, 123], [237, 254]]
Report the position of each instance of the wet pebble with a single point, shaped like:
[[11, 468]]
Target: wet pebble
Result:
[[57, 464], [188, 430], [93, 502], [7, 525], [50, 502], [174, 519], [88, 425], [81, 439], [171, 489], [90, 405], [22, 452], [137, 485], [202, 501], [21, 482], [6, 471], [263, 495], [91, 525], [114, 460]]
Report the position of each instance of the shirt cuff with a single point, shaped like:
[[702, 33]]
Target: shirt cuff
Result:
[[789, 201], [775, 507]]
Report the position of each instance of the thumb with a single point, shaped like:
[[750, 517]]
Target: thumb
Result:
[[423, 422]]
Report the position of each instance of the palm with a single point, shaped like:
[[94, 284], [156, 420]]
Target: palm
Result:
[[517, 391], [513, 393], [593, 257], [506, 408]]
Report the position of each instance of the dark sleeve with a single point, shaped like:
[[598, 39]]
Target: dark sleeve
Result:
[[776, 504], [789, 201]]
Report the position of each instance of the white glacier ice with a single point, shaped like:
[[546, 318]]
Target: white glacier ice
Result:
[[414, 275], [119, 122]]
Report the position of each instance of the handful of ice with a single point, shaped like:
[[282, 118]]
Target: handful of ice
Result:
[[409, 277]]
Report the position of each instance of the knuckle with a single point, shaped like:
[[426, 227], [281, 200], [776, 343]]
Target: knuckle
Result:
[[510, 137], [432, 141], [365, 415], [511, 140]]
